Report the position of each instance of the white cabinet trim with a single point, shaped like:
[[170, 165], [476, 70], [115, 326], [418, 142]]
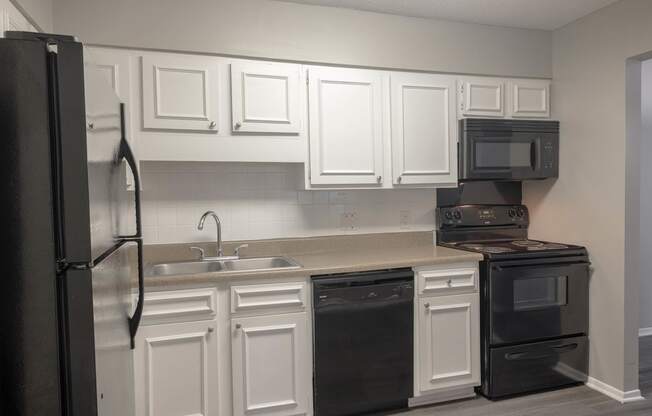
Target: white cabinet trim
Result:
[[469, 106], [447, 281], [445, 308], [176, 305]]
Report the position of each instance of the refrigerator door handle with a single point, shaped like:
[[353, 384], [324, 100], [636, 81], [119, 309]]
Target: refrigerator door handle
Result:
[[134, 321], [128, 155]]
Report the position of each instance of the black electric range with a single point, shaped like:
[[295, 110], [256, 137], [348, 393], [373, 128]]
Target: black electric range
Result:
[[533, 296]]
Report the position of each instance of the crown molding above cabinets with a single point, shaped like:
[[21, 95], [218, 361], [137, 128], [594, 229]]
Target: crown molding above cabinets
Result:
[[351, 128]]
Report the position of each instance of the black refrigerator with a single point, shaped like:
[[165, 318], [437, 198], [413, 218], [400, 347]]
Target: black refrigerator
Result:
[[71, 290]]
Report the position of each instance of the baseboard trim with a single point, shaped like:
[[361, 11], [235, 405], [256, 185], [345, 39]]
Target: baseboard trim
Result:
[[645, 332], [614, 393], [444, 396]]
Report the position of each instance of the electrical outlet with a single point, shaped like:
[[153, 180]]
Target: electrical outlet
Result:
[[405, 218], [349, 220]]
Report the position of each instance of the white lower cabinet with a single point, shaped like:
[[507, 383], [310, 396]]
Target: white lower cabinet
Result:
[[176, 369], [449, 342], [271, 366]]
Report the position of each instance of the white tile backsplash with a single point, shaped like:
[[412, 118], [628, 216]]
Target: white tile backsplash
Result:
[[261, 201]]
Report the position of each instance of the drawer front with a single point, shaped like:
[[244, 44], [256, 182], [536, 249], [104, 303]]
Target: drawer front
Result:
[[447, 281], [179, 305], [248, 298]]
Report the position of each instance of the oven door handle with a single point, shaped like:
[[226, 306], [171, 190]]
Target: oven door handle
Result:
[[539, 266], [535, 355]]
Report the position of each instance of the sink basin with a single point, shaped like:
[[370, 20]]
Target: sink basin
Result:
[[254, 264]]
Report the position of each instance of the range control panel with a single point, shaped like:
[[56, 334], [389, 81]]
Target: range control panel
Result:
[[482, 215]]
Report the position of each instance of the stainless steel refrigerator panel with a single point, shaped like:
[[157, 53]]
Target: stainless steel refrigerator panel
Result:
[[112, 308], [111, 207]]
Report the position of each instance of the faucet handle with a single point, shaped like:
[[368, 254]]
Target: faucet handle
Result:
[[241, 246], [201, 252]]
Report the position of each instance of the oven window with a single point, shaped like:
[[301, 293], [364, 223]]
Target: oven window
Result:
[[540, 293], [502, 155]]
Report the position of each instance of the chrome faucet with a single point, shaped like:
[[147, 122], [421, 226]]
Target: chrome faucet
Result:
[[218, 223]]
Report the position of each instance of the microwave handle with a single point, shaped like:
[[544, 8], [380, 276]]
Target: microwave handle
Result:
[[533, 154]]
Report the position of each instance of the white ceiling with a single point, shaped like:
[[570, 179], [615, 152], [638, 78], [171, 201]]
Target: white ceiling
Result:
[[530, 14]]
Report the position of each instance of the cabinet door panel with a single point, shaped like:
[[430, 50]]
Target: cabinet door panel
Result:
[[482, 97], [449, 338], [530, 98], [265, 98], [346, 138], [176, 370], [180, 92], [271, 366], [424, 129]]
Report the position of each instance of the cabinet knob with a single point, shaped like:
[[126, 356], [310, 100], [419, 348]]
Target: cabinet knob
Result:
[[237, 125], [379, 179], [399, 179], [212, 125], [449, 283], [426, 305], [211, 330], [238, 326], [91, 125]]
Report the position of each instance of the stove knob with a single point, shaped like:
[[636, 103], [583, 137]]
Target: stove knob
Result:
[[448, 215], [457, 215], [520, 212], [511, 212]]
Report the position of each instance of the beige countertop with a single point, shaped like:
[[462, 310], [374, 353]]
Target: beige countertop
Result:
[[319, 255]]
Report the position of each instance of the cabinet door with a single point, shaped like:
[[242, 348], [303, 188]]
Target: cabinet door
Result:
[[482, 97], [424, 129], [530, 98], [265, 97], [114, 66], [176, 370], [346, 129], [449, 342], [180, 92], [272, 373], [14, 20]]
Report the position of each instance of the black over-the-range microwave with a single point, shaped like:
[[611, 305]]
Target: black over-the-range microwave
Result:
[[495, 150]]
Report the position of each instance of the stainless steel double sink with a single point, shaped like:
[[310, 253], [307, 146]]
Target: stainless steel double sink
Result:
[[254, 264]]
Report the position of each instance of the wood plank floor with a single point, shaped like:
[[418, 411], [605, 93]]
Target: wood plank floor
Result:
[[574, 401]]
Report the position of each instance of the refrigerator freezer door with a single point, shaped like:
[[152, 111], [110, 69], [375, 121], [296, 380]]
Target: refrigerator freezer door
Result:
[[111, 308], [111, 205]]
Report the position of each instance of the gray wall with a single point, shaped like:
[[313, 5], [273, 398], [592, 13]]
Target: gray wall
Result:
[[40, 11], [261, 28], [587, 204], [645, 311]]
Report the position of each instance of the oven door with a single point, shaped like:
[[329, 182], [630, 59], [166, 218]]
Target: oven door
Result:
[[529, 302], [508, 156]]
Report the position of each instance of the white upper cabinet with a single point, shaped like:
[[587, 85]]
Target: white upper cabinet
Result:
[[180, 92], [13, 19], [272, 371], [424, 129], [481, 97], [530, 98], [265, 97], [449, 342], [346, 126]]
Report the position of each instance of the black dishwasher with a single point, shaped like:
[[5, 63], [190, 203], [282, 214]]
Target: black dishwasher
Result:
[[363, 348]]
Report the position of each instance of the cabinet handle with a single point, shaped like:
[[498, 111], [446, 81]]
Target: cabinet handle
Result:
[[91, 125], [426, 305], [449, 283], [379, 179], [238, 326], [210, 330], [212, 125], [237, 125], [399, 179]]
